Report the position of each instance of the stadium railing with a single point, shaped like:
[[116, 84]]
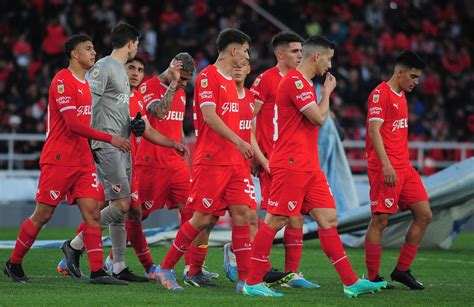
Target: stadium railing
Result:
[[11, 161]]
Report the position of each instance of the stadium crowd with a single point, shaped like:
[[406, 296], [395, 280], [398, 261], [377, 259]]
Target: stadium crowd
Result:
[[368, 35]]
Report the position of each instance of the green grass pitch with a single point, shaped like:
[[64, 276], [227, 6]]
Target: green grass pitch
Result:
[[447, 275]]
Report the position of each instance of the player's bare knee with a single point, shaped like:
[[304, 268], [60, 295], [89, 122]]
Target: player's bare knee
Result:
[[276, 222], [424, 217], [296, 221], [380, 221]]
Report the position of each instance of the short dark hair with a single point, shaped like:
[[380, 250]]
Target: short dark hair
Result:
[[138, 59], [319, 41], [410, 59], [285, 38], [188, 62], [73, 41], [230, 36], [122, 34]]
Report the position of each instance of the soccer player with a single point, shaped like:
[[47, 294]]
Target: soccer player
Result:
[[299, 186], [218, 171], [394, 183], [162, 172], [66, 161], [135, 70], [288, 52], [110, 89]]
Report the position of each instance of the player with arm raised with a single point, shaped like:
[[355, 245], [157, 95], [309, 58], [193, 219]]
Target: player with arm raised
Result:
[[66, 162], [394, 183], [299, 186]]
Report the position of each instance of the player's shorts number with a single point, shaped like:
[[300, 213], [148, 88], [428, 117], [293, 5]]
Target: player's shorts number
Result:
[[250, 190], [94, 183]]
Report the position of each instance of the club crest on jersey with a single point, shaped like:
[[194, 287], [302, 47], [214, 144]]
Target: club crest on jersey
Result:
[[375, 98], [389, 202], [143, 88], [117, 188], [95, 73], [292, 205], [204, 83], [252, 106], [54, 194], [149, 204], [207, 202], [299, 84], [183, 100], [134, 195], [60, 88]]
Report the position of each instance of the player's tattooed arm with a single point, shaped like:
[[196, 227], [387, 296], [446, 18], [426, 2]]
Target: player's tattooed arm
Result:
[[161, 107]]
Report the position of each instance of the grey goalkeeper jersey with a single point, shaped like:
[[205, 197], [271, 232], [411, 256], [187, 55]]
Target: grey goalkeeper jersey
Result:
[[110, 90]]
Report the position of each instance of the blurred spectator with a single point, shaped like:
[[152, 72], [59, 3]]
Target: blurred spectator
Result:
[[369, 35]]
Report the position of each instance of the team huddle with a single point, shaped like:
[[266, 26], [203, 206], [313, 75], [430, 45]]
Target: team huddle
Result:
[[115, 147]]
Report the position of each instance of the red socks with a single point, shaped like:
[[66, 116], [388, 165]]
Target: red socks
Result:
[[407, 254], [198, 255], [293, 241], [25, 240], [332, 247], [373, 253], [92, 237], [242, 249], [184, 237], [138, 241], [262, 244], [186, 214]]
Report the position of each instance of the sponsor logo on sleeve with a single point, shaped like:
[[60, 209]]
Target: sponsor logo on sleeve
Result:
[[389, 202], [95, 73], [375, 111], [299, 84], [54, 194], [207, 202], [256, 82], [375, 98], [60, 88], [205, 95]]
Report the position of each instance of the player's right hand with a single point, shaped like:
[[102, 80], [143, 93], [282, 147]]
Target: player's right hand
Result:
[[389, 176], [175, 70], [330, 83], [245, 149], [121, 143]]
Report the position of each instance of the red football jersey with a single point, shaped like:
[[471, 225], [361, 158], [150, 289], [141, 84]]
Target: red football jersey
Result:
[[171, 126], [265, 88], [246, 107], [62, 147], [136, 105], [390, 108], [297, 145], [213, 88]]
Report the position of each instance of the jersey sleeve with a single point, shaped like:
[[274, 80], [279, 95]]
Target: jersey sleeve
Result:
[[258, 90], [377, 103], [64, 94], [150, 94], [98, 78], [301, 96], [206, 91]]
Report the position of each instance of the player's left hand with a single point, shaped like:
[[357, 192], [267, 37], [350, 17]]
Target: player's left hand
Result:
[[181, 149], [137, 125]]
